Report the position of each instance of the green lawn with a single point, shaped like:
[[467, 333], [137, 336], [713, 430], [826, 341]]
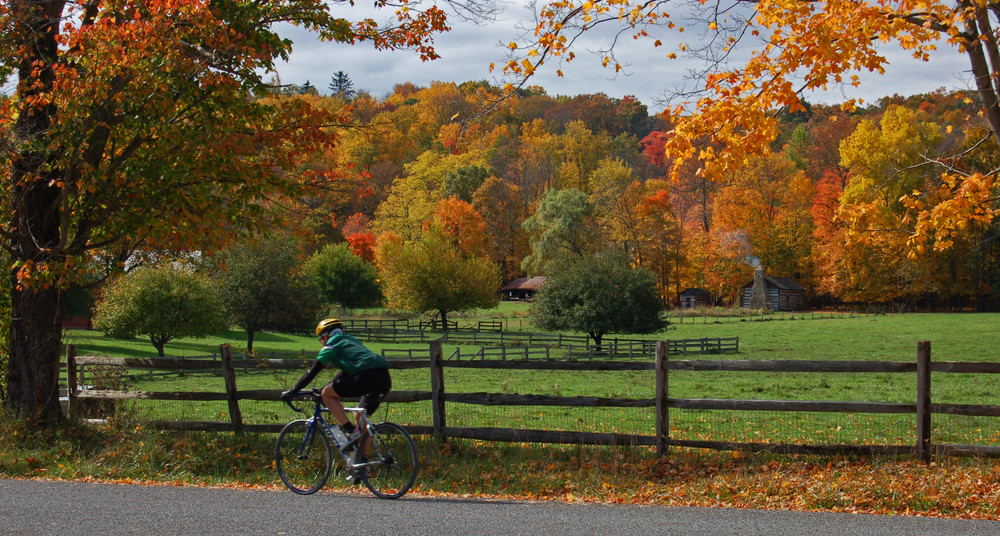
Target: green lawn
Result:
[[954, 337]]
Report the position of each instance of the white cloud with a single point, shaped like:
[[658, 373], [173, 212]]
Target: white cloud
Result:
[[467, 51]]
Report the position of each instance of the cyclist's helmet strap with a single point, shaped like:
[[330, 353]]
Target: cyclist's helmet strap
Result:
[[327, 325]]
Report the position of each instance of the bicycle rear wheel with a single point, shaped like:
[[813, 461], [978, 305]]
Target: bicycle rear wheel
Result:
[[393, 458], [302, 457]]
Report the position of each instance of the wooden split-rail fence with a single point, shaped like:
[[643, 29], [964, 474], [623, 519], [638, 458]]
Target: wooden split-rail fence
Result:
[[661, 403], [613, 349]]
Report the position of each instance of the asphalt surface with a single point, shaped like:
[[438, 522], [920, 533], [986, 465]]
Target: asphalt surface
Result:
[[42, 507]]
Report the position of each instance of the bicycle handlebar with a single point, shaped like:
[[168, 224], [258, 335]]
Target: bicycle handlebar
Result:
[[314, 394]]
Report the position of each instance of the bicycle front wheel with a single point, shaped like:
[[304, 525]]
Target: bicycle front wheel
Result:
[[302, 457], [392, 460]]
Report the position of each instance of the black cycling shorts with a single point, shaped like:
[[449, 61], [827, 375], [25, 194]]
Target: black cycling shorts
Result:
[[370, 385]]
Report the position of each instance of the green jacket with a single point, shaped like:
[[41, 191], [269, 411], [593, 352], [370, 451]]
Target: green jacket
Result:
[[349, 355]]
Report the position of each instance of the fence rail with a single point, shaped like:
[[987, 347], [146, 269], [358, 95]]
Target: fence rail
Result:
[[492, 333], [503, 353], [610, 350], [660, 404]]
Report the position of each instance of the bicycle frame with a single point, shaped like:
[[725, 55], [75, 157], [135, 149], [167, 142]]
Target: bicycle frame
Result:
[[386, 472], [317, 421]]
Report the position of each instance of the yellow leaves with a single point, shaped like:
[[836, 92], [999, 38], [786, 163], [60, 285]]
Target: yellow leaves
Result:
[[965, 200]]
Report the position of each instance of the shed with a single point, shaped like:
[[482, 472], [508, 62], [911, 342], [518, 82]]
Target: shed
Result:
[[692, 298], [783, 294], [522, 288]]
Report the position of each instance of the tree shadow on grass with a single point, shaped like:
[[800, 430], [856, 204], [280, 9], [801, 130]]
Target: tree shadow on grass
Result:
[[96, 343]]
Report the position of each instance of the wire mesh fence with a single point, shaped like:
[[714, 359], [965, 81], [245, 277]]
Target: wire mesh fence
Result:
[[597, 398]]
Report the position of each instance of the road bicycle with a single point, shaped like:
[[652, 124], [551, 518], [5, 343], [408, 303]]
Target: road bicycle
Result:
[[384, 456]]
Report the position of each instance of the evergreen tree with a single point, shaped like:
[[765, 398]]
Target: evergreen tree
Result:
[[307, 89], [341, 85]]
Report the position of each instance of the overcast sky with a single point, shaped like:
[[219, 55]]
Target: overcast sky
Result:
[[467, 51]]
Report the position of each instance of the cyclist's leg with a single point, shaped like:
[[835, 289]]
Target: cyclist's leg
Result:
[[378, 383], [340, 386]]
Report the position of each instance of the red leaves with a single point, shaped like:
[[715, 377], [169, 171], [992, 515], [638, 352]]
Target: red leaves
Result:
[[358, 235]]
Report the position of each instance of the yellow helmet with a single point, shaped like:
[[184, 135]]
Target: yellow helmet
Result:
[[328, 324]]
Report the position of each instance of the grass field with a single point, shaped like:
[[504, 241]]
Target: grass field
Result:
[[954, 337]]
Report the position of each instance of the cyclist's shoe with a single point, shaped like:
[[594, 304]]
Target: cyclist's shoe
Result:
[[352, 441], [354, 478]]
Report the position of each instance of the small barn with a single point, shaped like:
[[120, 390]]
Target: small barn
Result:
[[521, 288], [693, 298], [783, 294]]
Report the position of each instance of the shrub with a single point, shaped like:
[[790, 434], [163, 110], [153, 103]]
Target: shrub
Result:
[[260, 290], [163, 303], [599, 294], [341, 277]]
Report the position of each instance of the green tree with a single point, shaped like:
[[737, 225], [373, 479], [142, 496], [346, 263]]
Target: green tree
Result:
[[162, 303], [341, 277], [432, 274], [259, 287], [464, 181], [562, 227], [599, 294], [342, 86]]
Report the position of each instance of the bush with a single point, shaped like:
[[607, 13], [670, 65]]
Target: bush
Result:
[[163, 303], [260, 290], [599, 294], [432, 274], [343, 278]]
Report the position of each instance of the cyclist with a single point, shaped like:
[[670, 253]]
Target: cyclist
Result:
[[363, 373]]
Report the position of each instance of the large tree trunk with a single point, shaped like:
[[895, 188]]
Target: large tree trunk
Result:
[[35, 348], [35, 196], [36, 305]]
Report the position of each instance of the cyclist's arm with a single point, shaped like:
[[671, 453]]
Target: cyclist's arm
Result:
[[308, 377]]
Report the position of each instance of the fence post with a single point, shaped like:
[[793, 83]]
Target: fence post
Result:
[[437, 390], [71, 382], [662, 390], [924, 401], [230, 376]]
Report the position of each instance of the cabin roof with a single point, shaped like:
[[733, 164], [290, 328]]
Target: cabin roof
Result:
[[524, 283], [780, 283]]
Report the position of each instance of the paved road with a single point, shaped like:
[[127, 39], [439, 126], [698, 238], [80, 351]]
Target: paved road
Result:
[[37, 507]]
